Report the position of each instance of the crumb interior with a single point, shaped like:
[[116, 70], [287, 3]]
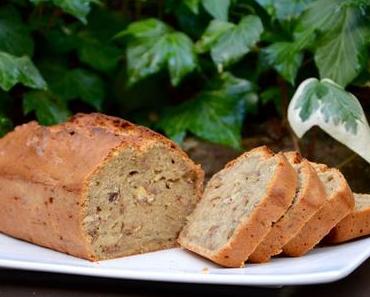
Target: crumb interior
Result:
[[362, 201], [229, 198], [138, 202]]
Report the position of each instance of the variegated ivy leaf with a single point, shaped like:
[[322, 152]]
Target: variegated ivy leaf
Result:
[[327, 105]]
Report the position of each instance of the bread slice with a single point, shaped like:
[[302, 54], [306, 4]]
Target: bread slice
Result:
[[339, 203], [95, 187], [310, 196], [239, 206], [356, 224]]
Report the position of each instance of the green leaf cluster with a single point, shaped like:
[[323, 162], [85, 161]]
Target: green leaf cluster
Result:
[[220, 107], [337, 32], [152, 46], [201, 67], [228, 42], [78, 8]]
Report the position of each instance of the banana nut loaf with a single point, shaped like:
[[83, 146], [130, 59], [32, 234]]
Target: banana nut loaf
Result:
[[95, 187]]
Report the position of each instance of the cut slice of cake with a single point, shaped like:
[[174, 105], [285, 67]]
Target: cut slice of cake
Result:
[[356, 224], [310, 196], [339, 203], [239, 206]]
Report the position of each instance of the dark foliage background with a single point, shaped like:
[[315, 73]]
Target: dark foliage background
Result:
[[204, 67]]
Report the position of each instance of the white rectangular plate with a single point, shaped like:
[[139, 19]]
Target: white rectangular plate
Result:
[[321, 265]]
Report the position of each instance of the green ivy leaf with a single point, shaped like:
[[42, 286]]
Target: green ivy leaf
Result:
[[286, 59], [78, 8], [62, 40], [342, 38], [49, 108], [189, 18], [149, 28], [230, 42], [6, 123], [93, 44], [104, 23], [339, 113], [272, 94], [15, 70], [363, 80], [152, 46], [6, 102], [339, 55], [14, 35], [79, 84], [193, 5], [219, 9], [212, 34], [216, 114], [284, 9], [100, 56], [181, 58]]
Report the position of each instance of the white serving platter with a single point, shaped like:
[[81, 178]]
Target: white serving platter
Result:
[[322, 265]]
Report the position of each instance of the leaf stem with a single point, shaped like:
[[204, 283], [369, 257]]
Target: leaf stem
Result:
[[312, 145], [346, 161], [284, 107]]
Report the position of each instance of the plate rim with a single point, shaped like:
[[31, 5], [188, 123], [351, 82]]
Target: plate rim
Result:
[[190, 277]]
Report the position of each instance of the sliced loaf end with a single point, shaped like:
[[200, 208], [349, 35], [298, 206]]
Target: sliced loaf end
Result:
[[339, 203], [238, 207], [310, 196], [354, 225]]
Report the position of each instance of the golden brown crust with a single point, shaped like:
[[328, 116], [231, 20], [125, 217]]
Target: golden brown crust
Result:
[[309, 199], [356, 224], [46, 189], [250, 232], [338, 205]]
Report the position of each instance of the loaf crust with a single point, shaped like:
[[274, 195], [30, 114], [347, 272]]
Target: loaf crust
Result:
[[309, 198], [253, 229], [356, 224], [44, 174], [337, 206]]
